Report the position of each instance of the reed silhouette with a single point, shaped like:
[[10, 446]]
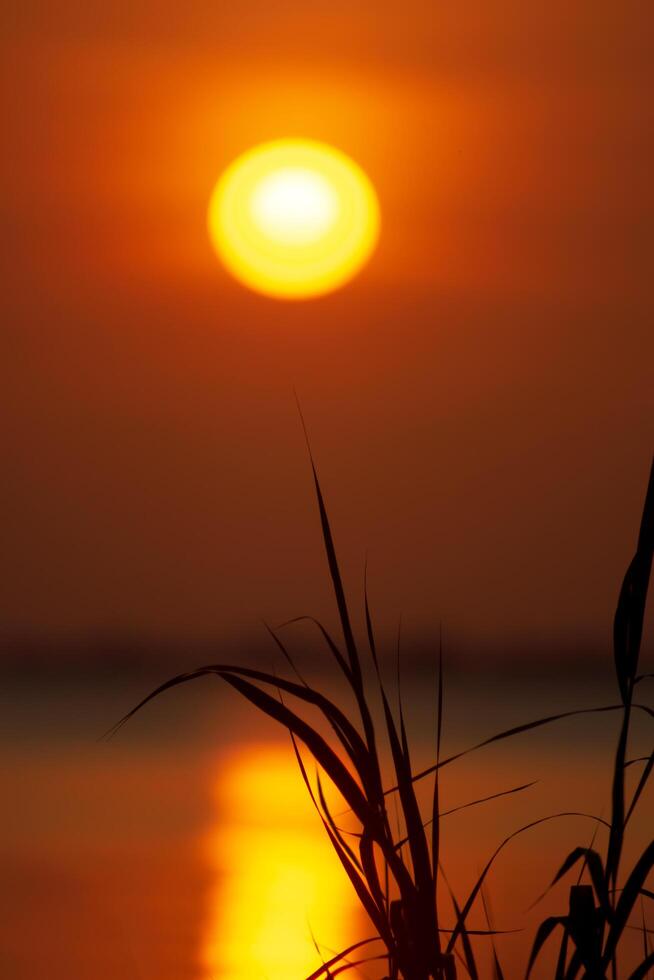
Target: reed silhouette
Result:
[[398, 877]]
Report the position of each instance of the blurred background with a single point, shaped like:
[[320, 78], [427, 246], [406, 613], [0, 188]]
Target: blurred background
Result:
[[479, 401]]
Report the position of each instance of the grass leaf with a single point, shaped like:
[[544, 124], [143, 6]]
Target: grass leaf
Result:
[[628, 897], [338, 957], [630, 611], [544, 931], [641, 971], [338, 656], [518, 730], [642, 783], [516, 833]]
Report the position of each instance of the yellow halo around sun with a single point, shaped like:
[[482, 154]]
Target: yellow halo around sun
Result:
[[294, 218]]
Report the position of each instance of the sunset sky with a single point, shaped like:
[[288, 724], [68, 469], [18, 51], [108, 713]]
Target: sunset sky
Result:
[[479, 400]]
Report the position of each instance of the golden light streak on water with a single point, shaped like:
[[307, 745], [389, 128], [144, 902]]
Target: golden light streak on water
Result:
[[277, 877]]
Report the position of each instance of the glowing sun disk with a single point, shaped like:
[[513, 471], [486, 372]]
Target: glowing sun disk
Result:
[[294, 218]]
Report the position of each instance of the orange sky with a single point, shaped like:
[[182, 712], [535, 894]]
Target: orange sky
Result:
[[480, 399]]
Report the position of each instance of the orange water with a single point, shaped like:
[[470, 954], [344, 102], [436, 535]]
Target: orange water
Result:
[[278, 885], [187, 848]]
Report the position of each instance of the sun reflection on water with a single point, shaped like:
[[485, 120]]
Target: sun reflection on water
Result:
[[277, 879]]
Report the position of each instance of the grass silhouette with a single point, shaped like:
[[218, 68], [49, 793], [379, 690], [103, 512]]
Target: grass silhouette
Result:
[[592, 934], [398, 877]]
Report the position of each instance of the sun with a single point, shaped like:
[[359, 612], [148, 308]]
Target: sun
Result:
[[294, 219]]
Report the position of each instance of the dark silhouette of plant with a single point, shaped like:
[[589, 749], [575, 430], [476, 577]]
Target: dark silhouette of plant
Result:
[[396, 875], [591, 934]]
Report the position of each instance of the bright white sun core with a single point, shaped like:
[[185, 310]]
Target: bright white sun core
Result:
[[294, 219], [294, 206]]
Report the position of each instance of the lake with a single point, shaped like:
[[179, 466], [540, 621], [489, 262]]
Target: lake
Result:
[[186, 848]]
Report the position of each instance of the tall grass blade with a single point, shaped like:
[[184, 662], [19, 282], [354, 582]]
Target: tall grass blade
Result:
[[334, 571], [369, 627], [334, 828], [498, 973], [543, 933], [328, 974], [562, 957], [285, 653], [592, 860], [321, 751], [468, 953], [348, 735], [355, 677], [353, 964], [575, 964], [642, 783], [644, 929], [333, 647], [628, 897], [415, 832], [376, 916], [488, 799], [435, 805], [630, 612], [518, 730], [367, 855], [641, 971], [516, 833], [627, 635], [465, 806], [339, 957]]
